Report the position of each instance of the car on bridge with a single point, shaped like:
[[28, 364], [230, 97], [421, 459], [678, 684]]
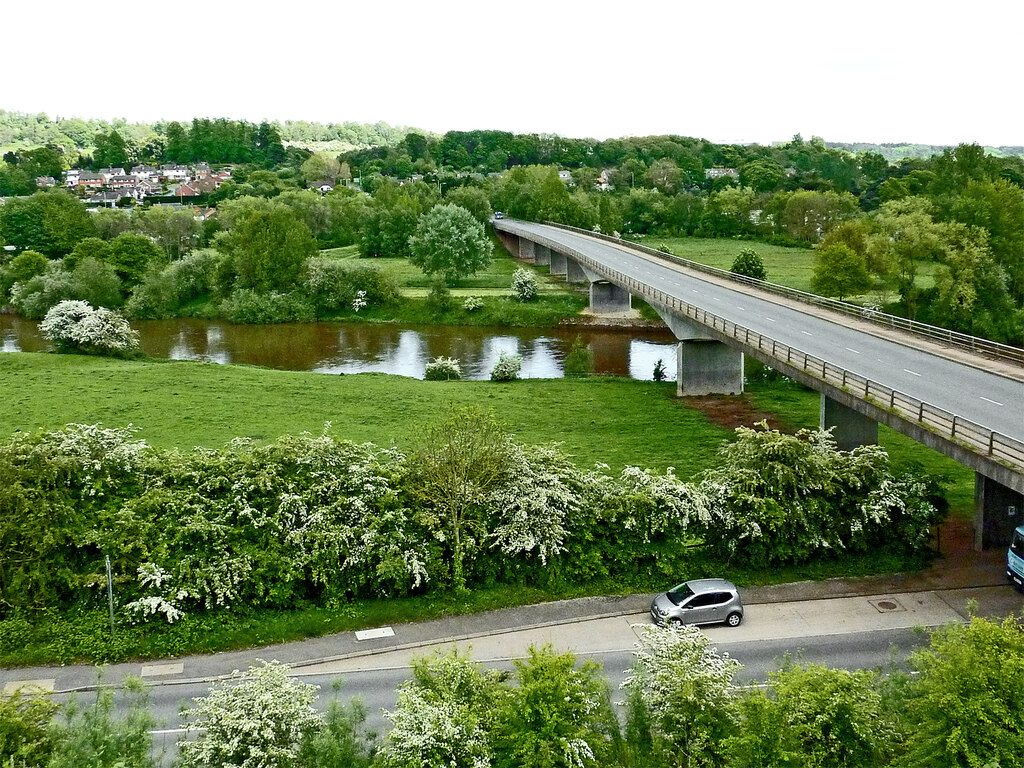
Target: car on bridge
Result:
[[700, 601], [499, 215]]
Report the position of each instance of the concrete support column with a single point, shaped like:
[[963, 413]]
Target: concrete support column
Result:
[[852, 428], [541, 255], [997, 511], [558, 263], [574, 272], [707, 367], [526, 252], [608, 297]]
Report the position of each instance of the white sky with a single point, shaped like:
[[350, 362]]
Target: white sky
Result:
[[740, 71]]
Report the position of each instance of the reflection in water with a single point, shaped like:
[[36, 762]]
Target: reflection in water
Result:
[[358, 348]]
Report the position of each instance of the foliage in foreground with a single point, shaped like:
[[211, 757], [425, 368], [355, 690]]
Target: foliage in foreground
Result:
[[683, 710], [307, 520], [74, 326]]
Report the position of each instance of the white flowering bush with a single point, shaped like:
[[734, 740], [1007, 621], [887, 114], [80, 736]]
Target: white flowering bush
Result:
[[253, 719], [74, 326], [682, 686], [507, 368], [472, 303], [524, 285], [359, 302], [443, 369]]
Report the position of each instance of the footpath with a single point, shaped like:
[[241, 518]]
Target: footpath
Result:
[[935, 596]]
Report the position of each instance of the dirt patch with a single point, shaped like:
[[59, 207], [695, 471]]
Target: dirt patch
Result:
[[731, 412]]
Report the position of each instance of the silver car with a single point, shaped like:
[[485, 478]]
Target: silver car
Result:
[[701, 601]]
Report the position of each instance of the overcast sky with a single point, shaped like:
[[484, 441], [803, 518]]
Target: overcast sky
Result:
[[894, 71]]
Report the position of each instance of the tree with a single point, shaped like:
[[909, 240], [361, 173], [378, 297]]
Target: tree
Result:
[[839, 271], [473, 199], [111, 151], [27, 264], [50, 222], [998, 207], [810, 215], [966, 704], [321, 166], [340, 741], [131, 254], [665, 176], [94, 736], [750, 264], [268, 247], [449, 241], [679, 693], [906, 234], [259, 717], [461, 459], [177, 232], [556, 716], [24, 729], [444, 715]]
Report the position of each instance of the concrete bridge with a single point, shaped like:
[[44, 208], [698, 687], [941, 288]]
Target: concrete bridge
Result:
[[958, 394]]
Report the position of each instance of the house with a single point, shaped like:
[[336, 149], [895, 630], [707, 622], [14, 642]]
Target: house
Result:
[[107, 197], [202, 214], [108, 173], [323, 187], [203, 171], [145, 172], [185, 190], [147, 188], [121, 181], [223, 174], [174, 173], [204, 184], [71, 177], [603, 181], [718, 173], [46, 181], [90, 179], [566, 177]]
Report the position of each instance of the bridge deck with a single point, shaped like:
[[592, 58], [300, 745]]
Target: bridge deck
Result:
[[910, 366]]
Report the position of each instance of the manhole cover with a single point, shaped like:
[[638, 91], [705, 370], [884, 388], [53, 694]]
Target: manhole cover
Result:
[[887, 605]]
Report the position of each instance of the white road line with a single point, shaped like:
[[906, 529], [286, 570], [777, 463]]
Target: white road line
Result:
[[853, 350], [741, 309], [990, 401], [771, 319], [910, 371], [807, 333]]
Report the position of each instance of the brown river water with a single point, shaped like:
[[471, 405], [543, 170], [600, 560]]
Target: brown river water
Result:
[[362, 347]]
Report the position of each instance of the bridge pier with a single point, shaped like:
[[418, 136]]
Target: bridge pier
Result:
[[708, 367], [851, 428], [526, 249], [558, 263], [574, 272], [997, 511], [608, 297], [541, 254]]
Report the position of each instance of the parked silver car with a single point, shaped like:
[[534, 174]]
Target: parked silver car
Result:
[[701, 601]]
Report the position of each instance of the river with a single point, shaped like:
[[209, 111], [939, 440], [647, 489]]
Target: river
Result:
[[362, 347]]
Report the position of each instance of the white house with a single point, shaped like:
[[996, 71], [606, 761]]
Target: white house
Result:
[[566, 177], [718, 173]]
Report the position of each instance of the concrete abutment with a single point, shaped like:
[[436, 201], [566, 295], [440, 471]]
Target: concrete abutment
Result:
[[997, 511], [608, 297], [708, 367], [850, 428]]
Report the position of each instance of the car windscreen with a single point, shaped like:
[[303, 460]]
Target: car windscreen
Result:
[[680, 593], [1017, 545]]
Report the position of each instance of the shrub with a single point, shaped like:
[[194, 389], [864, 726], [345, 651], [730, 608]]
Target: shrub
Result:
[[248, 306], [443, 369], [472, 303], [524, 285], [74, 326], [659, 370], [333, 285], [440, 297], [91, 281], [507, 368], [750, 264]]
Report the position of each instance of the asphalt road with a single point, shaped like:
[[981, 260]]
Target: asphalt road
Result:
[[377, 688], [985, 398]]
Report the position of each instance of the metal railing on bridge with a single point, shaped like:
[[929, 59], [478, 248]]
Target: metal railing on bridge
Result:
[[1001, 448], [944, 335]]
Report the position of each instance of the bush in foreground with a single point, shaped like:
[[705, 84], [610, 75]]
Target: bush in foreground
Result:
[[507, 368], [443, 369]]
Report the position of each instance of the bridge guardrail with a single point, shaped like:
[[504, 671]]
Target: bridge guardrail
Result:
[[995, 445], [944, 335]]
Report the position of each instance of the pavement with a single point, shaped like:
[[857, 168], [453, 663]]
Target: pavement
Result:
[[941, 594]]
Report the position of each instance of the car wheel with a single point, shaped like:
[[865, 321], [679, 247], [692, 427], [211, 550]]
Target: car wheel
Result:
[[734, 619], [675, 621]]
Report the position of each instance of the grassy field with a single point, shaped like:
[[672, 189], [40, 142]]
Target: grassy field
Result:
[[184, 404], [792, 267]]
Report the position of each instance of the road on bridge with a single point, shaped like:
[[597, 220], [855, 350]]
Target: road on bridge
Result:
[[986, 398]]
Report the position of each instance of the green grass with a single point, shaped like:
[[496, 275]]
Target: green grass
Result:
[[791, 267]]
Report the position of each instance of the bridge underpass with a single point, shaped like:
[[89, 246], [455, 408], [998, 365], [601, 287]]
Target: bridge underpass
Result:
[[961, 396]]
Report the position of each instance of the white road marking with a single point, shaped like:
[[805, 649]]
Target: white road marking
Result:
[[807, 333], [771, 319], [990, 401], [853, 350], [741, 309], [910, 371]]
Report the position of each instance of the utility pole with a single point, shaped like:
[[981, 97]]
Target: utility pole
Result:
[[110, 598]]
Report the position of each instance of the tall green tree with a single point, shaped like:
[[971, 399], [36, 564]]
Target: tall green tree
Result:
[[449, 241], [267, 245], [839, 271], [50, 222]]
